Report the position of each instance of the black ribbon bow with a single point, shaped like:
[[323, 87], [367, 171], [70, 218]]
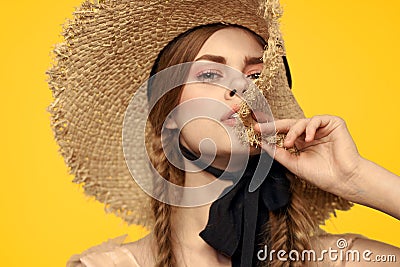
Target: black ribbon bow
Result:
[[235, 220]]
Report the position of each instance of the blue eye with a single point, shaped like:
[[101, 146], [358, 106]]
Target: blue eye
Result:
[[208, 76], [254, 76]]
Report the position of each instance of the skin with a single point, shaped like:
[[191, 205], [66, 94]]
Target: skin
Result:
[[221, 60], [327, 144], [234, 46], [329, 159]]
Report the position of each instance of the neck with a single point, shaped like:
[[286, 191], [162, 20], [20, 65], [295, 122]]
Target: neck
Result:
[[188, 222], [197, 215]]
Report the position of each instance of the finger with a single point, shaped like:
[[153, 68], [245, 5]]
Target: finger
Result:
[[280, 154], [295, 132], [265, 128], [261, 117], [280, 126], [313, 131], [312, 127], [283, 126]]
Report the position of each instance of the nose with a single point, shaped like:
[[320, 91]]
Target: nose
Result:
[[237, 86]]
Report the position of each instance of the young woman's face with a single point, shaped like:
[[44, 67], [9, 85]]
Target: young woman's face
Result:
[[228, 60]]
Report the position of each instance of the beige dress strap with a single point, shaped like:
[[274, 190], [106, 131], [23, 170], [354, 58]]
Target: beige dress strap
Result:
[[108, 254]]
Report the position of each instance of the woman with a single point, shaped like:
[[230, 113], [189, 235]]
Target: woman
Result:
[[291, 225]]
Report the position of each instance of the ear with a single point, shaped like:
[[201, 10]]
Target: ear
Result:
[[170, 123]]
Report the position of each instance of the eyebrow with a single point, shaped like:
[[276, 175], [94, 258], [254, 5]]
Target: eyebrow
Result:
[[253, 60], [222, 60], [217, 59]]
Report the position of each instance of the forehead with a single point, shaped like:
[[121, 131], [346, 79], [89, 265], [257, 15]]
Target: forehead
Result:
[[231, 43]]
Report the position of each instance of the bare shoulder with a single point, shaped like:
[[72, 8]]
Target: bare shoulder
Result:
[[142, 250], [375, 253], [103, 254], [354, 250]]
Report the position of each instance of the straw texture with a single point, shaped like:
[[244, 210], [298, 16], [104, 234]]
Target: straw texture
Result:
[[108, 52]]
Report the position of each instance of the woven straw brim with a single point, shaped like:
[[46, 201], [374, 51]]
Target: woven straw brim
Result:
[[109, 50]]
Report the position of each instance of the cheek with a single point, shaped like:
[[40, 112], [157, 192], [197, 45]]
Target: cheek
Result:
[[190, 92], [193, 91], [195, 131], [201, 128]]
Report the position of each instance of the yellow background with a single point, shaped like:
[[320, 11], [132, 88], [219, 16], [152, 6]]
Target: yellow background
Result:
[[344, 58]]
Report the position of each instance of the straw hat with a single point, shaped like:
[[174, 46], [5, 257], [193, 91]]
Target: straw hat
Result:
[[109, 50]]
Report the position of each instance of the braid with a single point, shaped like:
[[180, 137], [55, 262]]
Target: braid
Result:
[[279, 240], [290, 228], [162, 211], [300, 223], [162, 234]]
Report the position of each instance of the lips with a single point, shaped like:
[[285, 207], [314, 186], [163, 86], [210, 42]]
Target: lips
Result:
[[230, 117]]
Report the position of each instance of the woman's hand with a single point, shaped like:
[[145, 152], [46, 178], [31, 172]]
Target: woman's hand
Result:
[[329, 159]]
